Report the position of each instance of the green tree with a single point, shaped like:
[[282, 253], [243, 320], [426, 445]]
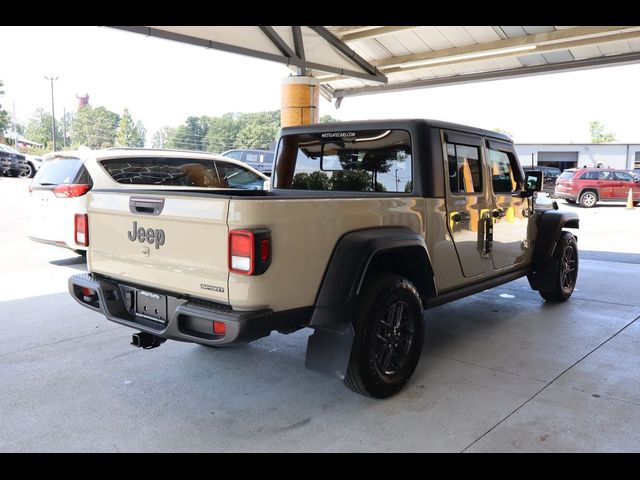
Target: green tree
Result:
[[221, 134], [190, 135], [258, 130], [328, 119], [351, 180], [4, 115], [160, 137], [128, 133], [95, 127], [598, 134], [39, 129]]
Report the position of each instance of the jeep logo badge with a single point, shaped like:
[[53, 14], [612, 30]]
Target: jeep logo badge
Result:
[[149, 235]]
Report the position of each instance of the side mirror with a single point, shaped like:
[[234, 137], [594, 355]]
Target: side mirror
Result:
[[533, 181]]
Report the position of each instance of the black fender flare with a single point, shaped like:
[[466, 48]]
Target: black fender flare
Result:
[[550, 225], [349, 264], [329, 348]]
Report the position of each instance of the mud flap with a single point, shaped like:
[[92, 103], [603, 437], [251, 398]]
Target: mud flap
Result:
[[329, 349]]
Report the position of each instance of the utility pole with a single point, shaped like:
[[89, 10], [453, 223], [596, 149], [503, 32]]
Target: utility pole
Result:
[[64, 128], [53, 113], [15, 128]]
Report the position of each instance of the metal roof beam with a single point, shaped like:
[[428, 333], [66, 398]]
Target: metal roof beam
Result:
[[583, 64], [345, 50], [278, 41], [552, 46], [547, 38], [178, 37], [373, 32]]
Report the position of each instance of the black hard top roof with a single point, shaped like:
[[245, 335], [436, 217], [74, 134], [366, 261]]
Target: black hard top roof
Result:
[[409, 124]]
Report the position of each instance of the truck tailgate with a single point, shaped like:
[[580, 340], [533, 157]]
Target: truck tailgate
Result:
[[181, 249]]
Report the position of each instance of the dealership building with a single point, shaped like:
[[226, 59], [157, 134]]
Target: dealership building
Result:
[[568, 155]]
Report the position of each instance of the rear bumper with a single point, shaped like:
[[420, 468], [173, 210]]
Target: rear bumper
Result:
[[187, 320]]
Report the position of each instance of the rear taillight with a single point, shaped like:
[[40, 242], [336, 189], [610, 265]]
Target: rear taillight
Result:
[[81, 229], [71, 190], [249, 251]]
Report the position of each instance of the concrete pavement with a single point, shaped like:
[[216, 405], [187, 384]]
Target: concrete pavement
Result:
[[500, 371]]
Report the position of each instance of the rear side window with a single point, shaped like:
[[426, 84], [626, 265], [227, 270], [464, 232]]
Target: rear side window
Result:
[[567, 175], [465, 172], [234, 155], [354, 161], [181, 172], [62, 171]]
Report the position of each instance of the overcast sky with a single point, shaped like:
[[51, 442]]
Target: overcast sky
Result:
[[163, 82]]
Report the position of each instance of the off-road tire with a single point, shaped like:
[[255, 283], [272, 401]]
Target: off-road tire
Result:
[[563, 270], [388, 336]]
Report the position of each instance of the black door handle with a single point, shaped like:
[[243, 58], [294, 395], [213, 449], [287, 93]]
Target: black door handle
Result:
[[499, 213], [146, 206]]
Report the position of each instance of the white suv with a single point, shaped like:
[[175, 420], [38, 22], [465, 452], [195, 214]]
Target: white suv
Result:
[[58, 191]]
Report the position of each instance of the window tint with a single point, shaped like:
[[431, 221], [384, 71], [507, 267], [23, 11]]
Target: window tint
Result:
[[465, 173], [62, 171], [362, 161], [625, 177], [252, 157], [184, 172], [503, 178], [589, 176]]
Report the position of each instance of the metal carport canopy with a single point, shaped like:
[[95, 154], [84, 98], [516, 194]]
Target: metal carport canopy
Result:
[[358, 60]]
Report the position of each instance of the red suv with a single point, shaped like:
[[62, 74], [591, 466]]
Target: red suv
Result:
[[588, 186]]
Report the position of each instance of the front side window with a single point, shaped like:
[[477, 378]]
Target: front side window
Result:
[[357, 161], [623, 176], [503, 178], [465, 172]]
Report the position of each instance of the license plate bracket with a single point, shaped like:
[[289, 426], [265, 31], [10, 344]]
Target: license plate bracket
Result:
[[152, 306]]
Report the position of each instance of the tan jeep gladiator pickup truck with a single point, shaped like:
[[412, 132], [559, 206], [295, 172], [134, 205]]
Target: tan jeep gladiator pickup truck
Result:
[[367, 225]]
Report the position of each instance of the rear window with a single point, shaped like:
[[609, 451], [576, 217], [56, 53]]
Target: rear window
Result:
[[567, 174], [354, 161], [62, 171], [181, 172]]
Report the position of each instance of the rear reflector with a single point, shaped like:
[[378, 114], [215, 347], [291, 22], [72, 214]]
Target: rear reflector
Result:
[[81, 229], [71, 190], [219, 328], [87, 292]]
